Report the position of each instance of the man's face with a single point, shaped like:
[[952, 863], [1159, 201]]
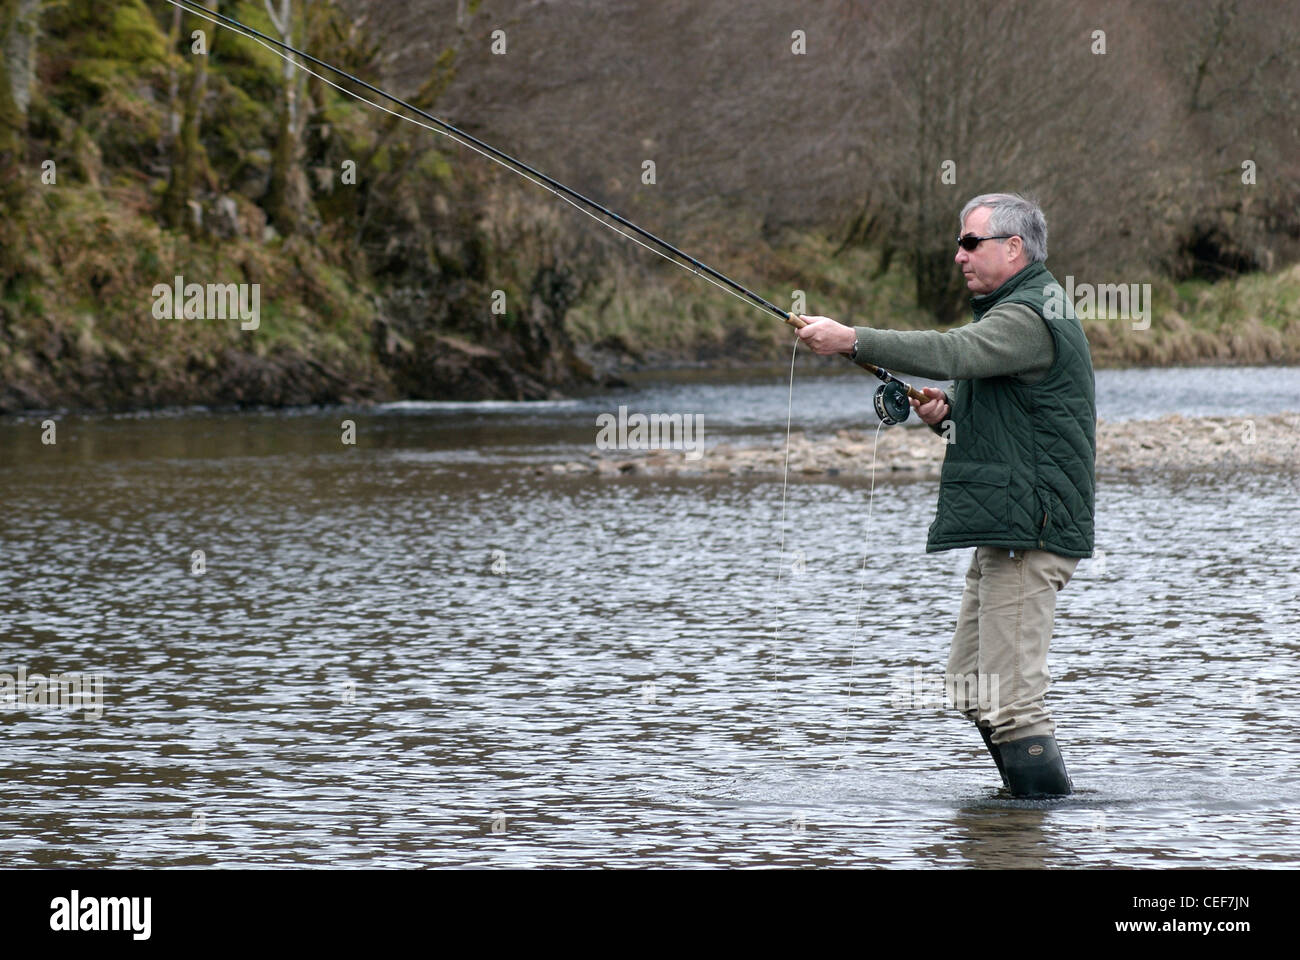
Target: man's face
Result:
[[990, 264]]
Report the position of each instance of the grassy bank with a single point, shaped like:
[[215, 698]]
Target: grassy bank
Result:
[[667, 316], [80, 329], [1252, 319], [378, 258]]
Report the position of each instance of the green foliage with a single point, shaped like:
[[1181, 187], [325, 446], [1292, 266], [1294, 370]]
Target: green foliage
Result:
[[107, 43], [433, 163], [1273, 299], [237, 124]]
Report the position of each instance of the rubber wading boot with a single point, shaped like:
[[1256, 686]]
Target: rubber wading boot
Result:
[[996, 752], [1034, 767]]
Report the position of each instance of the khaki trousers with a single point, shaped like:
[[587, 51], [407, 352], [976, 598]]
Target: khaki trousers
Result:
[[997, 670]]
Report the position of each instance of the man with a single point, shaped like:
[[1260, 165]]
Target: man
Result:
[[1018, 475]]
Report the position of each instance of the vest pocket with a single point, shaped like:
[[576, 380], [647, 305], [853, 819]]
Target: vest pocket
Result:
[[974, 500], [1044, 508], [1052, 513]]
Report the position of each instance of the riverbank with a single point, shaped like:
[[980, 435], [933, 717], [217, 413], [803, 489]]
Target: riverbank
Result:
[[1173, 443], [637, 320], [81, 328]]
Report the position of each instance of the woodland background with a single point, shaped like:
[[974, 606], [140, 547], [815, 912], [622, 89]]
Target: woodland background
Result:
[[818, 171]]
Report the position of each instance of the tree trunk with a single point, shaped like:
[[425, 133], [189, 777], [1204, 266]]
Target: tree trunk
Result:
[[187, 150], [20, 52], [287, 194], [19, 20], [173, 82], [18, 24]]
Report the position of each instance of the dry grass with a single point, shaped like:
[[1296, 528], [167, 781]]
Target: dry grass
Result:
[[667, 313]]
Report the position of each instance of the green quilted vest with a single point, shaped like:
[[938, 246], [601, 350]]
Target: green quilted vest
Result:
[[1020, 470]]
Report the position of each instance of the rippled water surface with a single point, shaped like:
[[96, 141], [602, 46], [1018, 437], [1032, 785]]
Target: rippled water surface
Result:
[[418, 651]]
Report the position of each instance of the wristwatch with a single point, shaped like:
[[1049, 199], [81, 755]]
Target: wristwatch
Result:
[[854, 354]]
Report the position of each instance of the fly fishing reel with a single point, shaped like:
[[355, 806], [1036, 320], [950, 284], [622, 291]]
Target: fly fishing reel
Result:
[[891, 398], [891, 403]]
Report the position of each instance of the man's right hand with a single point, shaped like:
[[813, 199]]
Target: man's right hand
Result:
[[934, 411]]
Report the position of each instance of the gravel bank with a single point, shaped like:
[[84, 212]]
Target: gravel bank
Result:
[[1173, 443]]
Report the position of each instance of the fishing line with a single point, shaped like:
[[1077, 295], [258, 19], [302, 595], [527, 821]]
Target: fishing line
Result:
[[866, 550], [862, 589], [785, 486]]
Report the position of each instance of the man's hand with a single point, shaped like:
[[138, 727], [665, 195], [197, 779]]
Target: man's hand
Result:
[[827, 336], [933, 411]]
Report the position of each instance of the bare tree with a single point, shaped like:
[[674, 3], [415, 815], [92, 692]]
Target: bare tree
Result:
[[287, 195], [19, 25], [1229, 190], [187, 146], [958, 101], [751, 138], [173, 127]]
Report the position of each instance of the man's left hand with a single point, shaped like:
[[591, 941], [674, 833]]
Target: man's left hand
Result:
[[827, 336]]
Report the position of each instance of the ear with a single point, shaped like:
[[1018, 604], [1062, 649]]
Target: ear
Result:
[[1015, 247]]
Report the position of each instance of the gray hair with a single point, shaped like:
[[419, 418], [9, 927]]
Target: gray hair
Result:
[[1013, 214]]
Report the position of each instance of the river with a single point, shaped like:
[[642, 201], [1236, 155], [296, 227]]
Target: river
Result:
[[418, 650]]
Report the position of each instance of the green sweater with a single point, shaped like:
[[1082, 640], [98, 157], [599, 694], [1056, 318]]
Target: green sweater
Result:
[[1009, 340]]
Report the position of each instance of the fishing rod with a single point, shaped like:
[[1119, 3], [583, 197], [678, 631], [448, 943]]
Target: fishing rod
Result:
[[891, 396]]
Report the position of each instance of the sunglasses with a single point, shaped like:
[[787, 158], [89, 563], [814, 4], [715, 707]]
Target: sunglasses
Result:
[[970, 241]]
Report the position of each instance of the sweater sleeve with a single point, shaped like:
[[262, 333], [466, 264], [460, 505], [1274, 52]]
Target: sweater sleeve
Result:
[[1010, 340]]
